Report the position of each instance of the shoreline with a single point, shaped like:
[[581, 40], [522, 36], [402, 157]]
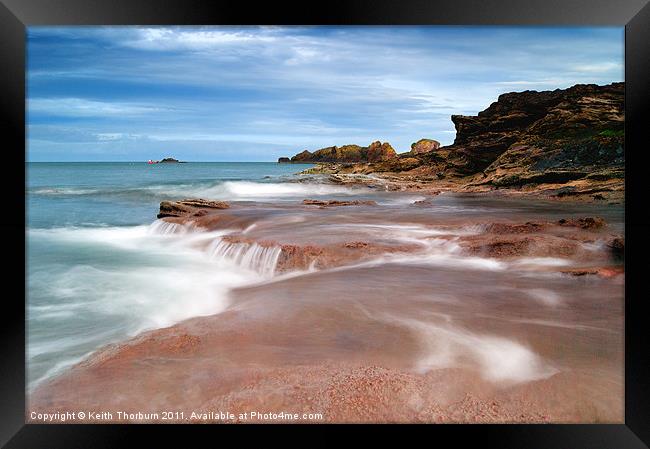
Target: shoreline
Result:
[[583, 190], [215, 343]]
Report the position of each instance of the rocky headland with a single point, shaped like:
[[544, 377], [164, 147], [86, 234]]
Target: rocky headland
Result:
[[565, 143]]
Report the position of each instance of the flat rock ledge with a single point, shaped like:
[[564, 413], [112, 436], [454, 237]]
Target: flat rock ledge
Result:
[[189, 207], [335, 203]]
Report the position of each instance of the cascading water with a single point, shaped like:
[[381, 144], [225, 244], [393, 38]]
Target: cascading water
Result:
[[165, 227], [252, 256]]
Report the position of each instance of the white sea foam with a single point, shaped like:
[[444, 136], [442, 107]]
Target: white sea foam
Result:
[[63, 191], [251, 256], [165, 227], [139, 278], [544, 296], [228, 190], [498, 359], [541, 262], [248, 190]]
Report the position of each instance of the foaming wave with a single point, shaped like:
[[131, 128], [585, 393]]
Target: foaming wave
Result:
[[248, 190], [498, 359], [118, 282], [245, 189], [165, 277], [544, 296], [542, 262], [252, 256], [436, 252], [228, 190], [165, 227], [63, 191]]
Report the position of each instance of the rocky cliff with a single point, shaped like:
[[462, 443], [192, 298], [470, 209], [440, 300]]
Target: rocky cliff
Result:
[[524, 139], [535, 137]]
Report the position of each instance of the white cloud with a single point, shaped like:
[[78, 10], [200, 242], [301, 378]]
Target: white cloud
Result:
[[79, 107], [297, 85], [109, 137], [599, 67], [175, 39]]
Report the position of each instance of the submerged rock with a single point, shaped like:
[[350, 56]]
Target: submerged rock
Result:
[[617, 248], [604, 272], [334, 203], [583, 223]]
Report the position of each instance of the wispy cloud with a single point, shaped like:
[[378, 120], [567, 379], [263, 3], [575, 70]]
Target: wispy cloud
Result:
[[289, 88], [165, 39], [79, 107]]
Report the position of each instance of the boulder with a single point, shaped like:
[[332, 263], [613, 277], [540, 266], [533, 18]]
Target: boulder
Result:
[[424, 146]]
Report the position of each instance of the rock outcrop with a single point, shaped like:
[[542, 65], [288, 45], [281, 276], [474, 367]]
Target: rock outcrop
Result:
[[379, 152], [189, 207], [424, 146], [335, 203], [541, 137], [566, 141], [375, 152]]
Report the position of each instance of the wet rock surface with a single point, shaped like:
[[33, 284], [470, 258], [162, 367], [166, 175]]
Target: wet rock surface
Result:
[[471, 309], [196, 207], [336, 203]]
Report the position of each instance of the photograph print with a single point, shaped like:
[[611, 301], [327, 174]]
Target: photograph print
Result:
[[325, 224]]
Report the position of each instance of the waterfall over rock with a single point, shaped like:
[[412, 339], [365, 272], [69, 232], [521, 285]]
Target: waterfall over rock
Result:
[[252, 256], [165, 227]]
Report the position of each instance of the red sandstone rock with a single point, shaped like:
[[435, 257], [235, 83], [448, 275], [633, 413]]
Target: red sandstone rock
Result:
[[424, 146], [378, 152], [584, 223], [334, 203], [188, 207]]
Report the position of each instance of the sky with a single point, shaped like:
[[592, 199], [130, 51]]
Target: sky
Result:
[[249, 93]]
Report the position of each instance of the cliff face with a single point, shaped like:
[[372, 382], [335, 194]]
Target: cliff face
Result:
[[534, 137], [523, 139]]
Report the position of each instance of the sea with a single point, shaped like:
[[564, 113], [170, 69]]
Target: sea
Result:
[[100, 267]]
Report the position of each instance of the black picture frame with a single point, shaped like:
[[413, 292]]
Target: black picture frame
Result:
[[16, 15]]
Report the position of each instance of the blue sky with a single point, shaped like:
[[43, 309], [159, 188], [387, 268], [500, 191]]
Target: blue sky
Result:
[[258, 93]]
